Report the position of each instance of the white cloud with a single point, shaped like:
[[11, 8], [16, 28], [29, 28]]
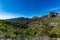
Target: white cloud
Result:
[[52, 9]]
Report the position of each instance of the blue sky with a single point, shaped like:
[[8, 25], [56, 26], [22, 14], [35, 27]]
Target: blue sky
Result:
[[27, 8]]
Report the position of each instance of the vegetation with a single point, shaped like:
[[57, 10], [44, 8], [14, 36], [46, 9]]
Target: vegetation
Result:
[[35, 27]]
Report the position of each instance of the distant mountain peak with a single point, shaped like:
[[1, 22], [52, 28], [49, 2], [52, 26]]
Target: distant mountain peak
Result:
[[34, 18]]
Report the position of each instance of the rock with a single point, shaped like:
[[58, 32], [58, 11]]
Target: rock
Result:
[[52, 14]]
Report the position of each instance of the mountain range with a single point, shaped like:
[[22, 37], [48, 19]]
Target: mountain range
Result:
[[50, 15], [31, 27]]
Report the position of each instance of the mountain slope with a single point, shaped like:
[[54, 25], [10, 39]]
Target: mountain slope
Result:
[[34, 27]]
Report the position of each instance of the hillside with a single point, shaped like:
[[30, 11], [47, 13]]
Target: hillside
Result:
[[34, 27]]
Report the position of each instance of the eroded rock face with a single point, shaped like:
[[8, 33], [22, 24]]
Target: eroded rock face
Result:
[[52, 14]]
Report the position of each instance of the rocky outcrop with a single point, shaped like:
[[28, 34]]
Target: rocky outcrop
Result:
[[52, 14]]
